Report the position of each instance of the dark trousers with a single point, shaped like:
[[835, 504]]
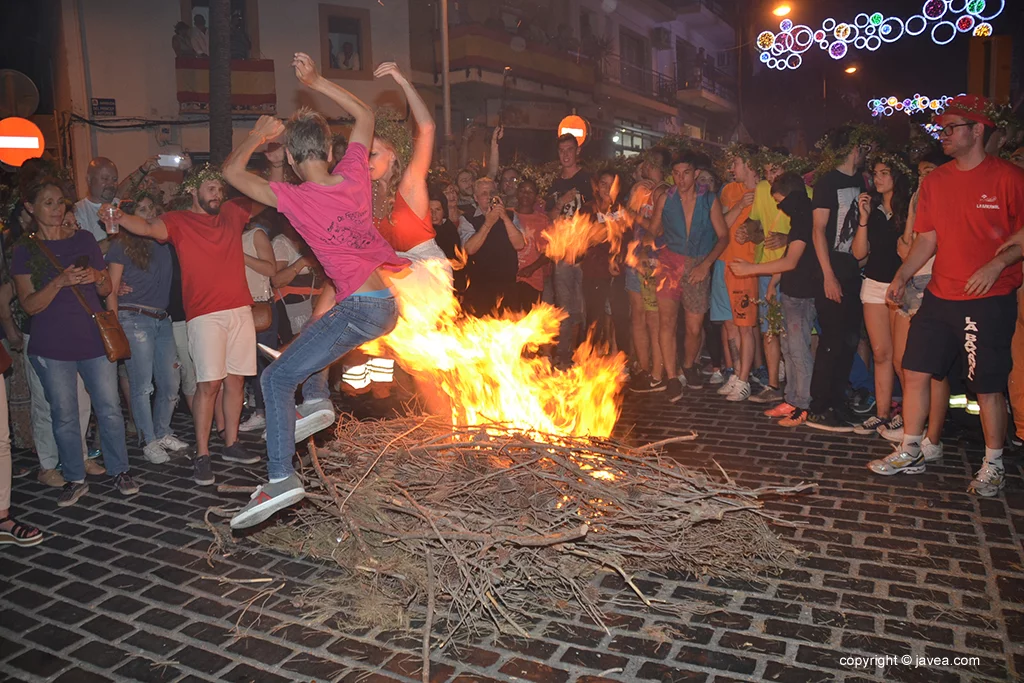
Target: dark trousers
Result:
[[595, 296], [270, 338], [840, 325], [621, 320], [713, 341]]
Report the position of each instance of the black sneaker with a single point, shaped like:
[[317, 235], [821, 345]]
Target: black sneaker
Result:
[[71, 492], [236, 452], [202, 470], [694, 380], [674, 389], [126, 486], [656, 385], [848, 417], [640, 382], [828, 421], [862, 402]]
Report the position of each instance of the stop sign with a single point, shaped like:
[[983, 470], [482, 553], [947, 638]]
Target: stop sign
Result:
[[20, 140]]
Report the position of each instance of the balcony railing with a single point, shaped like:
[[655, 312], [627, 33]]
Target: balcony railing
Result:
[[640, 80], [711, 80], [476, 47]]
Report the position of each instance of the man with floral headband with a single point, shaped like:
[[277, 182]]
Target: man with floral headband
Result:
[[221, 335], [969, 216], [839, 309]]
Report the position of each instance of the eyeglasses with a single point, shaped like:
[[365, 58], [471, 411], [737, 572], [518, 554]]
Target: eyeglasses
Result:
[[948, 130]]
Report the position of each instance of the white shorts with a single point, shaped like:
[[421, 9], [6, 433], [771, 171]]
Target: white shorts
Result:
[[223, 343], [873, 291]]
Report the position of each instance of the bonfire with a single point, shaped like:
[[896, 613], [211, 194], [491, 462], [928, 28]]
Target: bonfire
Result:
[[517, 499]]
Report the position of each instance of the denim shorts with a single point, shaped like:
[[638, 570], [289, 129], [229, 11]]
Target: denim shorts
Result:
[[721, 307], [632, 280], [914, 294]]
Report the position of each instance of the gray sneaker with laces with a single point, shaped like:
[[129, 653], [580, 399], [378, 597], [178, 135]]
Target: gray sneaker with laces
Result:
[[202, 470], [268, 499]]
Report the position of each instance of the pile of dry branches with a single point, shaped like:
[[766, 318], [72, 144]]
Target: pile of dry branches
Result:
[[485, 525]]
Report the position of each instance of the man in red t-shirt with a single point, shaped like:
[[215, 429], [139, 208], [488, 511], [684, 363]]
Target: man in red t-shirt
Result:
[[967, 210], [221, 334]]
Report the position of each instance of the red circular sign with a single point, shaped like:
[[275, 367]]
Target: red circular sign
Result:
[[20, 140]]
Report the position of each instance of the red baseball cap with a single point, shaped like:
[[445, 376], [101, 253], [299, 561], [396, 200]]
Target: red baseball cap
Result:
[[971, 107]]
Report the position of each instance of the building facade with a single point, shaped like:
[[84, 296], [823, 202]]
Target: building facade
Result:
[[125, 95], [636, 70]]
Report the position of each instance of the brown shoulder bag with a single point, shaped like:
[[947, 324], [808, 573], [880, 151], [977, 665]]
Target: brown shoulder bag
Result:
[[115, 343]]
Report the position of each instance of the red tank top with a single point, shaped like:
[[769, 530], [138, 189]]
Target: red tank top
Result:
[[404, 230]]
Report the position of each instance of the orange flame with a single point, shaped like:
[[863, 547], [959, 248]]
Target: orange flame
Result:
[[489, 368]]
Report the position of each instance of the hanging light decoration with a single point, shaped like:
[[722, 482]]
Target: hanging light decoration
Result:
[[943, 20]]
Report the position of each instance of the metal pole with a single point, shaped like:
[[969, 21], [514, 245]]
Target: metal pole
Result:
[[446, 86]]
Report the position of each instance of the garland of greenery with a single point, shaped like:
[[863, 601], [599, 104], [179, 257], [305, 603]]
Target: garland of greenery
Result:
[[894, 162], [830, 157], [198, 176], [389, 127]]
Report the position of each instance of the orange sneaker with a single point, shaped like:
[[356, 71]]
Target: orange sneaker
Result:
[[795, 420], [781, 410]]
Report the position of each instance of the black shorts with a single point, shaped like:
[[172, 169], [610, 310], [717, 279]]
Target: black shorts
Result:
[[977, 332]]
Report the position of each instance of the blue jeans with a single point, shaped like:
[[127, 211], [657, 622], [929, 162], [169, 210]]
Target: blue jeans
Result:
[[565, 290], [798, 319], [153, 361], [350, 324], [60, 384]]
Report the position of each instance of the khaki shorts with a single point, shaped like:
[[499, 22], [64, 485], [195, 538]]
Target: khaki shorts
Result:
[[222, 344]]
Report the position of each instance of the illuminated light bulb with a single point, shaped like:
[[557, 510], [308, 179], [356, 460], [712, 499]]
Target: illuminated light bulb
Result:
[[983, 30], [765, 40], [842, 31], [782, 10], [876, 18], [786, 25]]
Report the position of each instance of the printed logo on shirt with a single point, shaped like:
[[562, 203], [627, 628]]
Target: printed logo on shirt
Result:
[[846, 219], [987, 202], [340, 231]]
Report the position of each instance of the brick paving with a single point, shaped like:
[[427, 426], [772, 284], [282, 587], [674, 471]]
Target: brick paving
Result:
[[912, 566]]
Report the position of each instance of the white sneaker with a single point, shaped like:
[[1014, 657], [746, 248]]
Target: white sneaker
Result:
[[172, 443], [255, 421], [716, 378], [728, 387], [894, 431], [309, 425], [740, 392], [155, 453], [931, 451], [989, 481]]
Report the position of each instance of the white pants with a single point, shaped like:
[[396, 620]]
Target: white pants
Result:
[[42, 426], [223, 343]]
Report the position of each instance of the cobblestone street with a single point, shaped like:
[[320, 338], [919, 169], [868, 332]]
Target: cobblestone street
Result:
[[914, 566]]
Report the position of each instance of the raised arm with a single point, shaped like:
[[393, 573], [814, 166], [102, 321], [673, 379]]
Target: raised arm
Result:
[[257, 188], [413, 184], [306, 72], [155, 229], [134, 178], [494, 161]]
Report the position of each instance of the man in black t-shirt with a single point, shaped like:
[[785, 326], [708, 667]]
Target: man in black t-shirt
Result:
[[839, 308], [569, 193]]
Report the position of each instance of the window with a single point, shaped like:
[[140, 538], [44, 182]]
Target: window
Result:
[[630, 139], [345, 50], [245, 22]]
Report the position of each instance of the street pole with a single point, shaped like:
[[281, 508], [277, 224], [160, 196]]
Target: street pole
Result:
[[446, 86]]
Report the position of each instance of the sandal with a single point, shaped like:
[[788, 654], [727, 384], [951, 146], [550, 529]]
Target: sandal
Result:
[[20, 534]]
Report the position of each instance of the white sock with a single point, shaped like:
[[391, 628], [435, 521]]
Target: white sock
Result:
[[994, 456], [912, 444], [277, 480]]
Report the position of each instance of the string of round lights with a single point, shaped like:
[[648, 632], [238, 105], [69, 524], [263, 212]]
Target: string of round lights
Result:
[[943, 20], [918, 104]]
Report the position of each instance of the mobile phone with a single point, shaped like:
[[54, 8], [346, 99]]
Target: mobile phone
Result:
[[169, 160], [82, 261]]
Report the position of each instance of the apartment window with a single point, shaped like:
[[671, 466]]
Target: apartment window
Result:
[[630, 139], [245, 24], [345, 50], [635, 61]]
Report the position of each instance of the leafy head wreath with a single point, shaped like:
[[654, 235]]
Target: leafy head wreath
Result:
[[198, 176], [894, 161], [389, 127]]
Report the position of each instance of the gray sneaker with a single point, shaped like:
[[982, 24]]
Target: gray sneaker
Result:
[[316, 420], [236, 452], [202, 470], [268, 499], [71, 492], [767, 395]]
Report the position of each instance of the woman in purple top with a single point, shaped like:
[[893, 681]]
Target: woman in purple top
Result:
[[65, 341]]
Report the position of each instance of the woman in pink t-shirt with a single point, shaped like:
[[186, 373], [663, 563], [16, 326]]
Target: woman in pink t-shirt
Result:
[[332, 211]]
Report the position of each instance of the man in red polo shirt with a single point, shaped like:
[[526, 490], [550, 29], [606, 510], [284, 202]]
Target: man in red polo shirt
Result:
[[967, 210], [221, 335]]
